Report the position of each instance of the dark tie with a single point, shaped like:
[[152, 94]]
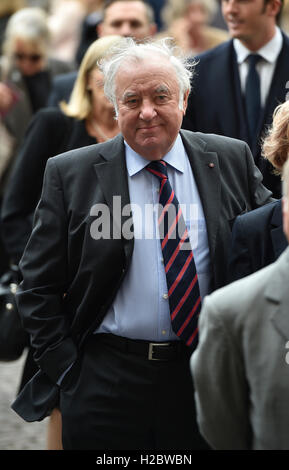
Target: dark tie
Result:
[[253, 97], [182, 280]]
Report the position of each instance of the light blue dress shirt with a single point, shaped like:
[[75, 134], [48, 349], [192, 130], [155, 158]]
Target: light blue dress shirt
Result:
[[141, 307]]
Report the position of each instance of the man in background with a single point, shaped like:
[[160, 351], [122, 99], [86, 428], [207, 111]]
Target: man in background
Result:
[[239, 83]]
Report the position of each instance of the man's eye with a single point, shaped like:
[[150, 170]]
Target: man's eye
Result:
[[131, 102], [161, 98]]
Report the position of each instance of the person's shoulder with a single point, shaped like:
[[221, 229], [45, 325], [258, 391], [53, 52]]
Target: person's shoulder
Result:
[[77, 159], [215, 53], [213, 142], [261, 215], [250, 294], [50, 116]]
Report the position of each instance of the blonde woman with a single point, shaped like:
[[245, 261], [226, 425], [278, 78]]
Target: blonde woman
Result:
[[86, 119]]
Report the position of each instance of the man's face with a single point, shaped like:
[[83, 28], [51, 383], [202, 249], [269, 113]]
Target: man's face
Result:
[[251, 21], [128, 19], [149, 116]]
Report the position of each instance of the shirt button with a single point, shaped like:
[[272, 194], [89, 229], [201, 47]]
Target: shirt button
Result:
[[164, 332], [162, 260], [165, 296]]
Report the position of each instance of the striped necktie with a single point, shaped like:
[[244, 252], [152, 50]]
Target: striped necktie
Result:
[[181, 274]]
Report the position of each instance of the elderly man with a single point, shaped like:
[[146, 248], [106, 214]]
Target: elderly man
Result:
[[240, 367], [129, 235]]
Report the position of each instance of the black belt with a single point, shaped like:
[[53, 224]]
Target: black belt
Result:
[[169, 351]]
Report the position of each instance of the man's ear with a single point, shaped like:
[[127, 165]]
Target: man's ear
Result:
[[185, 101]]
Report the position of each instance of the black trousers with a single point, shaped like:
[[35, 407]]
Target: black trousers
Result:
[[114, 400]]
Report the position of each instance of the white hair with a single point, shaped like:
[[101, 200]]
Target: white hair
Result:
[[129, 51]]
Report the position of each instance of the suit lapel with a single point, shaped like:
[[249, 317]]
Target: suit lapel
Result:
[[206, 171], [278, 238], [112, 177], [277, 294], [228, 93]]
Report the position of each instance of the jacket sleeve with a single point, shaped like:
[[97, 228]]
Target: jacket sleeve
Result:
[[221, 390], [260, 195], [240, 261], [44, 270]]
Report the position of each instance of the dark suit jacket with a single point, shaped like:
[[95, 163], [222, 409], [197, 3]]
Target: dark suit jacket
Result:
[[61, 88], [216, 104], [62, 257], [50, 132], [257, 240]]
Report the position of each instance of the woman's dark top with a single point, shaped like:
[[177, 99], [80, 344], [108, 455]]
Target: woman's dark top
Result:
[[50, 133]]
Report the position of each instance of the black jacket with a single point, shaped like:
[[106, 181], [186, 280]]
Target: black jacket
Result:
[[257, 240], [51, 132]]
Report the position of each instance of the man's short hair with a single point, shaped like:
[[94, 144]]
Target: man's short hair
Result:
[[285, 177], [149, 10], [278, 17]]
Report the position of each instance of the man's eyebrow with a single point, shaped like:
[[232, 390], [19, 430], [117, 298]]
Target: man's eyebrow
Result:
[[128, 94], [162, 89]]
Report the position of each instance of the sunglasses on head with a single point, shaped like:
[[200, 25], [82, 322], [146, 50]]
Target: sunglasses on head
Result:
[[31, 57]]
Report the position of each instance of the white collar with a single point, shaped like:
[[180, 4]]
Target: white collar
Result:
[[175, 157], [269, 52]]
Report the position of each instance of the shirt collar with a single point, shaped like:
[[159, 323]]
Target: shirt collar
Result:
[[269, 52], [175, 157]]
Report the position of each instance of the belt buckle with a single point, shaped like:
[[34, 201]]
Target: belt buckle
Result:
[[151, 350]]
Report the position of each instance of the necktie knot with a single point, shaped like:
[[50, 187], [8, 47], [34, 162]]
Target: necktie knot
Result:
[[159, 169], [253, 60]]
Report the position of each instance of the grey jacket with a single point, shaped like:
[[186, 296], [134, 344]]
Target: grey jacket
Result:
[[240, 371]]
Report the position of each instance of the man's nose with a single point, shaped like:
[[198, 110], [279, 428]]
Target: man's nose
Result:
[[126, 30], [147, 111], [230, 6]]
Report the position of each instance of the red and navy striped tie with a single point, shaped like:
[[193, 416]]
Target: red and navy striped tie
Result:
[[181, 274]]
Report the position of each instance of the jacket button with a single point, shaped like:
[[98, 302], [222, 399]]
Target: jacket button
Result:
[[211, 165]]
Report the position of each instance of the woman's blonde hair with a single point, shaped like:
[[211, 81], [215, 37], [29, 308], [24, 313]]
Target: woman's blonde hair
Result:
[[79, 105], [275, 146]]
